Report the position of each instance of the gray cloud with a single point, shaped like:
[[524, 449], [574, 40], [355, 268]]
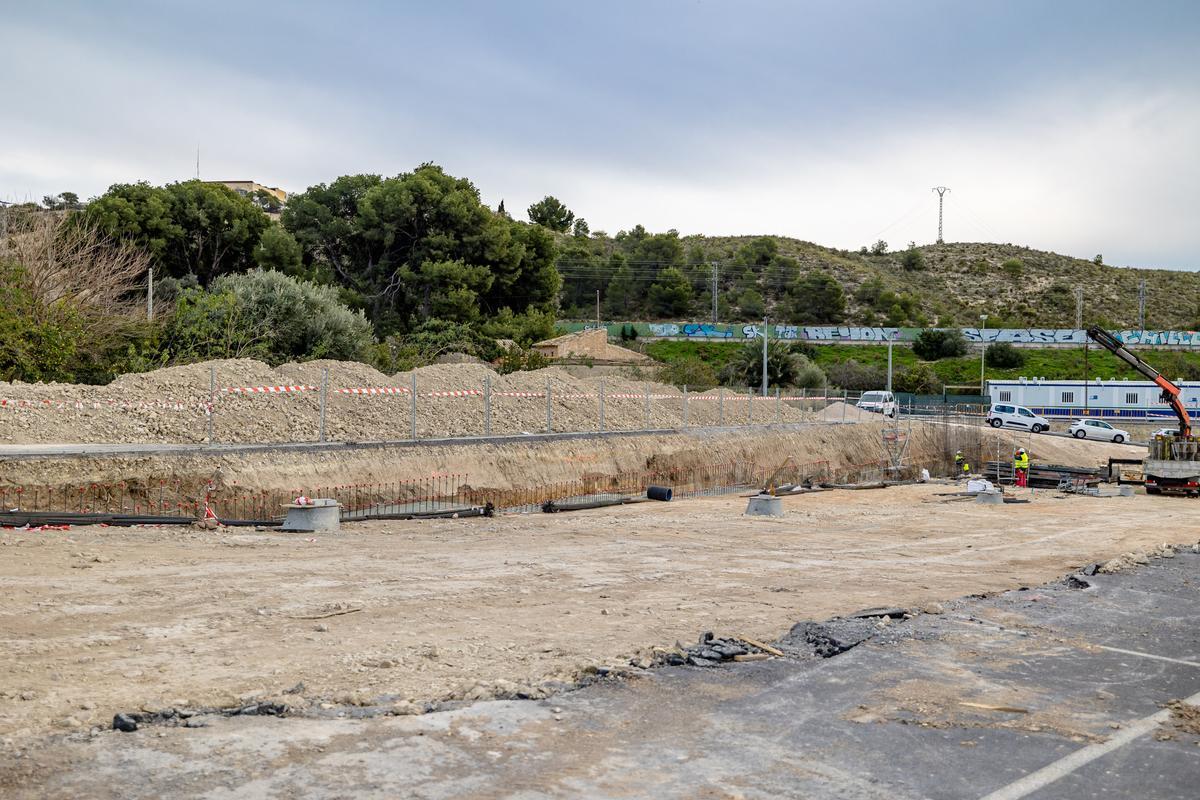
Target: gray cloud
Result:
[[1067, 127]]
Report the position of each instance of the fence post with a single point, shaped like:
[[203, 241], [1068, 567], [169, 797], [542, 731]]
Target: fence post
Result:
[[549, 419], [778, 406], [721, 406], [844, 398], [412, 405], [212, 402], [750, 406], [487, 405], [647, 425], [324, 398], [685, 406], [601, 395]]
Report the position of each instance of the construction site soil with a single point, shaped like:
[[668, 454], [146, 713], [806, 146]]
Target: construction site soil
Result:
[[845, 449], [102, 620]]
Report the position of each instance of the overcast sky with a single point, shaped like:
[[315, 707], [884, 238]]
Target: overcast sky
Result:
[[1069, 126]]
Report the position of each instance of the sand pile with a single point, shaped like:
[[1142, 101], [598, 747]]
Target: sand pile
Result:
[[838, 411], [171, 405]]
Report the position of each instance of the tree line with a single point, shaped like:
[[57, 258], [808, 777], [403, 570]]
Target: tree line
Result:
[[391, 270]]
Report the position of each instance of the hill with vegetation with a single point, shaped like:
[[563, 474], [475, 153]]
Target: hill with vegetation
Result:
[[399, 271], [666, 276]]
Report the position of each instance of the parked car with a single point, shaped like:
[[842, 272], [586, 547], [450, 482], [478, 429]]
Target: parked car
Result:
[[1002, 415], [1165, 432], [879, 402], [1097, 429]]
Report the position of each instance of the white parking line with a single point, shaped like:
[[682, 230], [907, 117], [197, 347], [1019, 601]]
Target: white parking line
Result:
[[1148, 655], [1068, 764]]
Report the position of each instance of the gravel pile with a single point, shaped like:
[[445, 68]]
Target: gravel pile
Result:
[[171, 405]]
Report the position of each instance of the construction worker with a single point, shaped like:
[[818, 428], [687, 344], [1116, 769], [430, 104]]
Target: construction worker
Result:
[[960, 464], [1021, 467]]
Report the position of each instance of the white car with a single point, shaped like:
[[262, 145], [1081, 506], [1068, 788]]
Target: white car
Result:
[[1002, 415], [879, 402], [1097, 429], [1165, 432]]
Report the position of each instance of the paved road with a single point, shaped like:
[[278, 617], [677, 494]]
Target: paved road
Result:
[[22, 452], [1065, 435], [51, 450], [1052, 692]]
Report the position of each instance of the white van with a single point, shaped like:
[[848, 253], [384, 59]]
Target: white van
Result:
[[879, 402], [1003, 415]]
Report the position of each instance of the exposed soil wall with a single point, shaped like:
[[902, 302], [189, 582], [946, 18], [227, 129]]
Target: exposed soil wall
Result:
[[521, 463]]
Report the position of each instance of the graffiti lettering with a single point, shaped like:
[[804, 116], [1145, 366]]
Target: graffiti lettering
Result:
[[836, 333]]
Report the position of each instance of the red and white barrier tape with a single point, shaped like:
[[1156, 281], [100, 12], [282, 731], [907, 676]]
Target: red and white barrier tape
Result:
[[375, 390], [267, 389]]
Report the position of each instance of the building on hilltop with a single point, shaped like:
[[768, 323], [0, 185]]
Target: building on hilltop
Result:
[[251, 188], [591, 344]]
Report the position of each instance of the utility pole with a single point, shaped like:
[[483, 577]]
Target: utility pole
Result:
[[941, 193], [1142, 305], [1078, 308], [764, 380], [982, 353], [714, 292], [889, 381], [150, 294], [597, 308]]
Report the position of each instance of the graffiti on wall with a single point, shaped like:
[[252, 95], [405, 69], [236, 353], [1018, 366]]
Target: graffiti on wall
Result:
[[853, 333], [1072, 336]]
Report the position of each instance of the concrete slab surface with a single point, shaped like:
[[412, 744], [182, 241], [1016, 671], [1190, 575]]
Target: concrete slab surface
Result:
[[1054, 691]]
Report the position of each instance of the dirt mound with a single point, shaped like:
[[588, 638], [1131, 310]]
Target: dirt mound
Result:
[[172, 404], [838, 411]]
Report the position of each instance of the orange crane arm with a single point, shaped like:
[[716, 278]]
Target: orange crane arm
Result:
[[1170, 392]]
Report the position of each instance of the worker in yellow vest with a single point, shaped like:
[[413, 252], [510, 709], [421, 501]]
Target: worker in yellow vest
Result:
[[960, 464], [1021, 467]]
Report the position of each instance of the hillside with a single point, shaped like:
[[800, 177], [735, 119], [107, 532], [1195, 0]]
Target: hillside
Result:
[[963, 280], [953, 284]]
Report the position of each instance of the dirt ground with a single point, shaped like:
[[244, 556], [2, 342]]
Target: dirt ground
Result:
[[102, 620]]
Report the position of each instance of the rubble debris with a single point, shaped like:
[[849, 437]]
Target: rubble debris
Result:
[[183, 717], [124, 723], [828, 639], [1075, 582], [893, 613], [710, 651], [990, 707], [1135, 559], [1184, 718]]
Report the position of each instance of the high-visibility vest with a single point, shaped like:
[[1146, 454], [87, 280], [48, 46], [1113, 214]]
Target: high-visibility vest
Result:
[[966, 468], [1021, 461]]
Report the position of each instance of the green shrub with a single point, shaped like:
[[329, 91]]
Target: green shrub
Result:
[[933, 344], [1003, 355], [785, 367], [912, 260], [855, 377], [524, 329], [519, 359], [1014, 268], [689, 371], [268, 315], [917, 379]]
